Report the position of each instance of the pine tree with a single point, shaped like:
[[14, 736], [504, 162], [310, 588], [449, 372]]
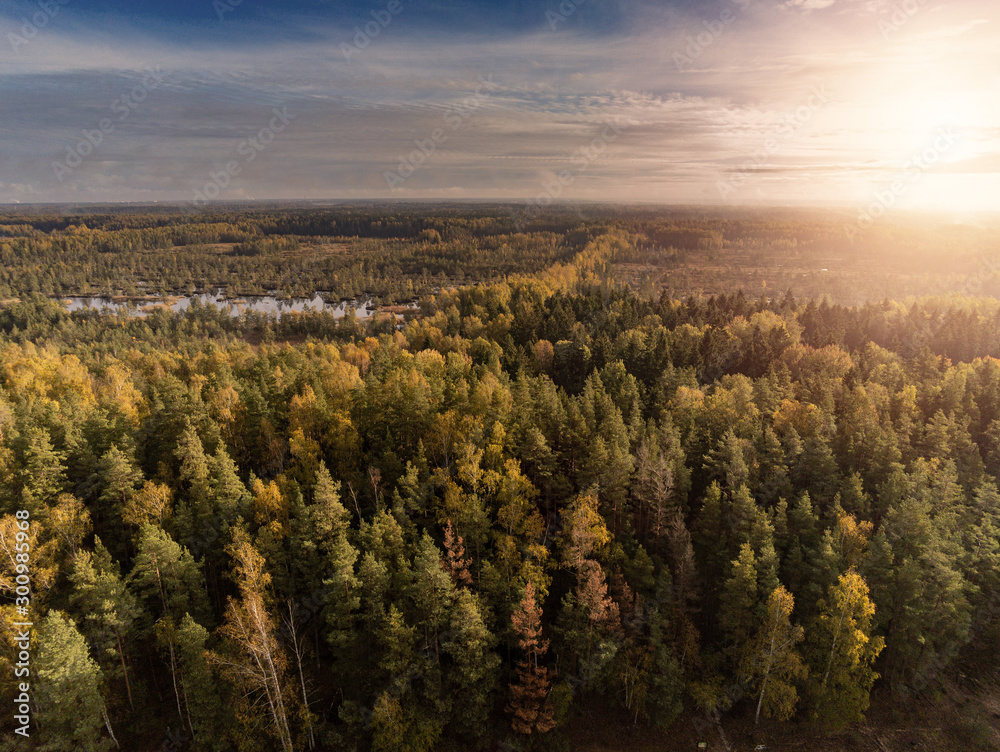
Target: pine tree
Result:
[[433, 592], [229, 497], [472, 679], [330, 517], [42, 469], [738, 606], [455, 563], [170, 580], [712, 535], [194, 467], [529, 698], [108, 609], [193, 515], [67, 690], [673, 644], [203, 706], [118, 479], [167, 575], [684, 580], [928, 598]]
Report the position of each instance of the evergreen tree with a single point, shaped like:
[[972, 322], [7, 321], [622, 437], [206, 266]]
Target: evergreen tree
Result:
[[71, 713], [108, 610], [738, 609], [204, 704], [529, 706], [473, 678]]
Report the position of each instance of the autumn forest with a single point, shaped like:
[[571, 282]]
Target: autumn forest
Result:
[[690, 476]]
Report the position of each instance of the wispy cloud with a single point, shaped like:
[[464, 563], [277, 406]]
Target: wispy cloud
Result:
[[555, 91]]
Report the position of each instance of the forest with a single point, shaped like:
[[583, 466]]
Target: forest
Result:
[[557, 496], [400, 252]]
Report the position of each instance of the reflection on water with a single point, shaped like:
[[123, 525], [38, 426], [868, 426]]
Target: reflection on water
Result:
[[268, 304]]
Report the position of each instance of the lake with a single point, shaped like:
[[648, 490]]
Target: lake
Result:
[[235, 306]]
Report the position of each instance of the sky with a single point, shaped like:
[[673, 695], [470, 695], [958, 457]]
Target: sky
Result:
[[873, 104]]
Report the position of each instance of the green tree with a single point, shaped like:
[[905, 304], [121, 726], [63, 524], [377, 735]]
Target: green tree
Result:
[[171, 583], [204, 703], [42, 468], [118, 479], [108, 609], [433, 592], [926, 597], [474, 675], [738, 609], [70, 709], [165, 574]]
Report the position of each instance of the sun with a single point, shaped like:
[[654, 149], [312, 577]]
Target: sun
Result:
[[945, 135], [932, 143], [957, 111]]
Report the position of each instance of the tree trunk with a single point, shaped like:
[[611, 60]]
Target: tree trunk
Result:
[[833, 648], [121, 654], [173, 675], [302, 678], [107, 725]]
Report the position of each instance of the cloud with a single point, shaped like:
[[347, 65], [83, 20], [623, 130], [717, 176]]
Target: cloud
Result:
[[808, 5], [948, 32], [555, 93]]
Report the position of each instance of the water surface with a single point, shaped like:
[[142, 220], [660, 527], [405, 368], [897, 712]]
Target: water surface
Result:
[[267, 304]]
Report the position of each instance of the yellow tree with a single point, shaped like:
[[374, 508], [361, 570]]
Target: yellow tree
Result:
[[150, 504], [69, 519], [584, 533], [257, 662], [590, 619], [772, 663], [844, 651]]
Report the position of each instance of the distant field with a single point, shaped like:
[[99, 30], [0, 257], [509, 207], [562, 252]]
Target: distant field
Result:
[[349, 252], [813, 256]]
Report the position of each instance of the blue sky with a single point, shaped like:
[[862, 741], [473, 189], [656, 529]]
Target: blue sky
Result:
[[722, 102]]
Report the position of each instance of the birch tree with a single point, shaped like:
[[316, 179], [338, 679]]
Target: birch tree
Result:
[[256, 662]]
